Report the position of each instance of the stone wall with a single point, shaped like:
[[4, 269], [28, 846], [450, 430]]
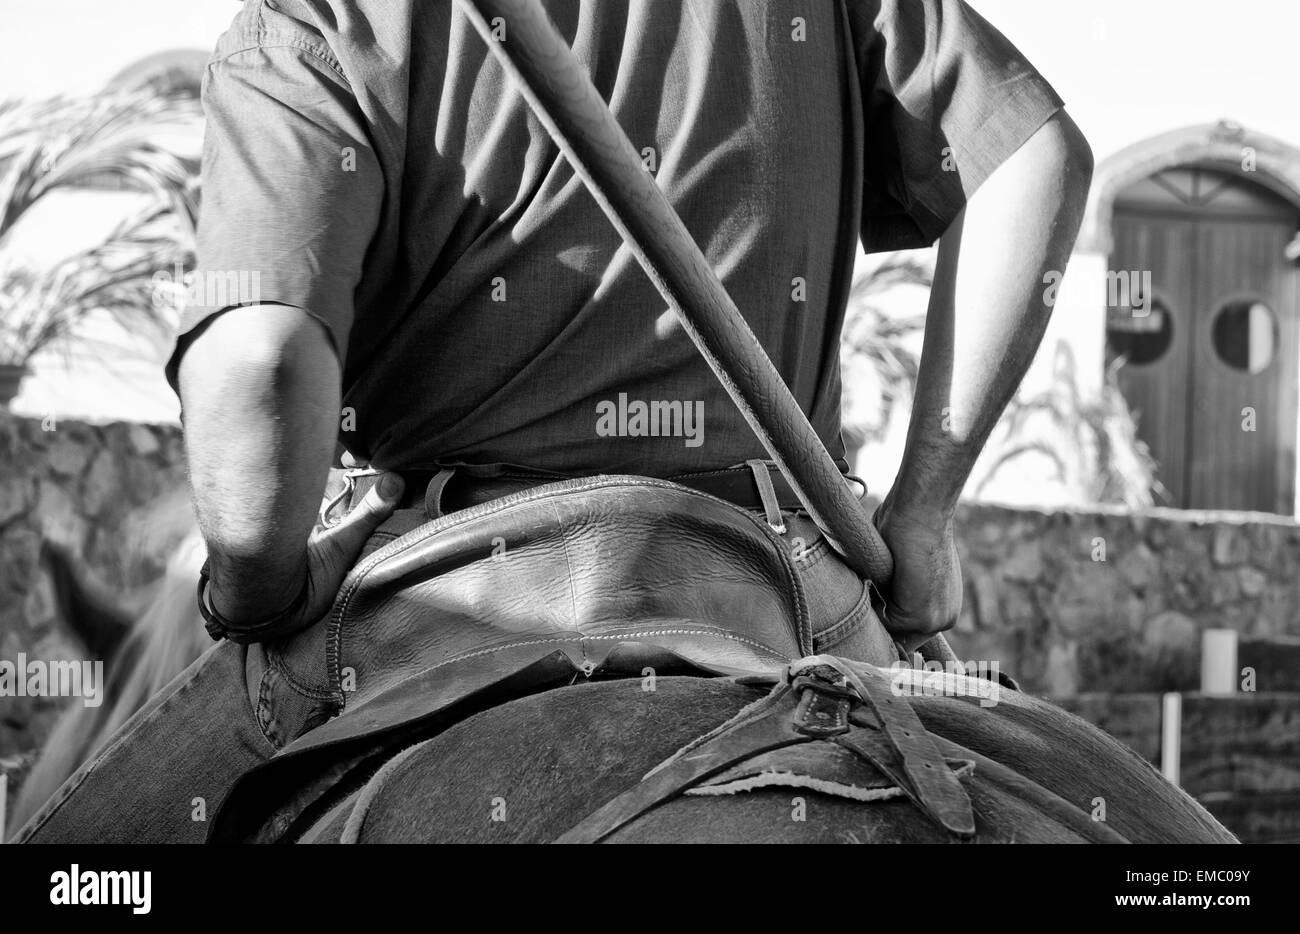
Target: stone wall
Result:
[[1072, 601]]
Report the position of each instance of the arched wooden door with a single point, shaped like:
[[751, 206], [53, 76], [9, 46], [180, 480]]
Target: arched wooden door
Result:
[[1202, 307]]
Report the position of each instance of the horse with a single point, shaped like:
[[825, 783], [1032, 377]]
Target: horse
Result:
[[527, 770], [531, 769], [540, 749]]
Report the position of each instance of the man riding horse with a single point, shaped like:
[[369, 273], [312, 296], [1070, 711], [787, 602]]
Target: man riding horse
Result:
[[432, 291]]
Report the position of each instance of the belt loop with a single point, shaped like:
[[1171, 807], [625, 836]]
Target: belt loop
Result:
[[433, 493], [767, 493]]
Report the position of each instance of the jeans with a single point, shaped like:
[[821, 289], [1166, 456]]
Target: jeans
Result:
[[161, 777]]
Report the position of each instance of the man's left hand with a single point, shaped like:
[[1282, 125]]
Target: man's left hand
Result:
[[331, 553]]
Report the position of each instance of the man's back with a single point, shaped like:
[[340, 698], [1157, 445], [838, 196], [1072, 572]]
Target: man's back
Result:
[[497, 318], [530, 322]]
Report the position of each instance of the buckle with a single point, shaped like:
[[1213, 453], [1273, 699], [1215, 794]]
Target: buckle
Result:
[[825, 702]]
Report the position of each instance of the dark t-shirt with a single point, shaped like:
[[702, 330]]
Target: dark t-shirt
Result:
[[369, 162]]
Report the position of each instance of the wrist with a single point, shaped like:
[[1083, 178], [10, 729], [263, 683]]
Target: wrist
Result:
[[244, 630], [242, 593], [930, 518]]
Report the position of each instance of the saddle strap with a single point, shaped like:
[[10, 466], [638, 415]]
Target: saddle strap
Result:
[[922, 762], [817, 705]]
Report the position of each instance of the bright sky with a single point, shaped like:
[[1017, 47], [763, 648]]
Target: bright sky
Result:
[[56, 46], [1127, 69]]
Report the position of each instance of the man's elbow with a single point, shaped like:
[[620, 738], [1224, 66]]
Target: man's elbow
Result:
[[258, 350], [1070, 158]]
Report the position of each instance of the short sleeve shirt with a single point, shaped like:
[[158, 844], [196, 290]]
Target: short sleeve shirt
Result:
[[369, 162]]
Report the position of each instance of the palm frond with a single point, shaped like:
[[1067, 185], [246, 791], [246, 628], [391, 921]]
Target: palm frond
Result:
[[67, 144], [130, 276], [902, 269], [881, 341], [1090, 440], [1098, 436]]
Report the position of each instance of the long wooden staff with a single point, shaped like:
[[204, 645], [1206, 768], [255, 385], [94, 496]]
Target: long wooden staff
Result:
[[561, 93]]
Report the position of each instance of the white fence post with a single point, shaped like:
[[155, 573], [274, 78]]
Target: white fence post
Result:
[[1219, 661], [1171, 735]]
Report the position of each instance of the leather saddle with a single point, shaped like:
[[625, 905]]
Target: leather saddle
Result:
[[581, 566], [592, 578]]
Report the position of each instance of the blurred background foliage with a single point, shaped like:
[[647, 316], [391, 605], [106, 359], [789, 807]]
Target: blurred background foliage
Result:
[[1085, 446], [114, 141]]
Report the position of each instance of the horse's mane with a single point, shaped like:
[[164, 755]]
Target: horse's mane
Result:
[[164, 641]]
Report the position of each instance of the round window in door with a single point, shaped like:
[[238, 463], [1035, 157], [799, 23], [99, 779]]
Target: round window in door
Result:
[[1245, 335], [1140, 335]]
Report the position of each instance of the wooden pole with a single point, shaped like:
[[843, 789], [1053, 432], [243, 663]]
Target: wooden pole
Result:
[[562, 95]]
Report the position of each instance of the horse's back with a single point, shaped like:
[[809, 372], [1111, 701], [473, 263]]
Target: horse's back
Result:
[[1089, 768], [529, 770]]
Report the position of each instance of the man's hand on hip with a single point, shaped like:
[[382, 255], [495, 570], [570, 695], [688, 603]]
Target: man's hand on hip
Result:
[[331, 553], [925, 594], [261, 391], [987, 316]]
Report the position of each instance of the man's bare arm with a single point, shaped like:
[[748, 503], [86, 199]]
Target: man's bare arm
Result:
[[261, 392], [987, 315]]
